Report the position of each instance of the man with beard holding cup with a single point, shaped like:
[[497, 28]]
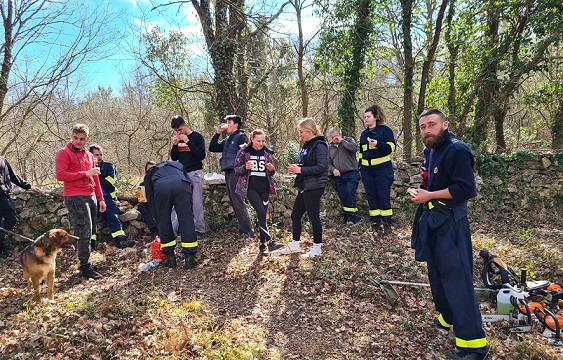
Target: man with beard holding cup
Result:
[[441, 234]]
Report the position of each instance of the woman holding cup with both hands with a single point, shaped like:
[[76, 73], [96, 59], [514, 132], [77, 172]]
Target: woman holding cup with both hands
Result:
[[255, 170]]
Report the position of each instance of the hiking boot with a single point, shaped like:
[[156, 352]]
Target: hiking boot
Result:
[[170, 261], [190, 262], [292, 248], [263, 249], [199, 235], [88, 272], [461, 354], [376, 228], [273, 245], [349, 222]]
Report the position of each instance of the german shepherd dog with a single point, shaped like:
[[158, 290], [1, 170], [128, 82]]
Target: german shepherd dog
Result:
[[39, 260]]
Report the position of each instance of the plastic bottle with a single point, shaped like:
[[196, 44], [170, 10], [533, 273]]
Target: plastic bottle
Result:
[[146, 267], [504, 305]]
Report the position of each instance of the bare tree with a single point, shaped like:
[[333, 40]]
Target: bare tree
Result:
[[45, 42]]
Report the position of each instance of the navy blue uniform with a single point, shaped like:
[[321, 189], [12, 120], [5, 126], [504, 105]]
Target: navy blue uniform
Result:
[[108, 177], [7, 208], [441, 237], [168, 186], [376, 169]]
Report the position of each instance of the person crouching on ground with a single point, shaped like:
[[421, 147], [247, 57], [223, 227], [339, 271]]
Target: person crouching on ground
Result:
[[167, 186], [312, 176], [255, 169]]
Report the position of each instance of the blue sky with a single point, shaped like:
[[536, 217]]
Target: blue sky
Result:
[[135, 15]]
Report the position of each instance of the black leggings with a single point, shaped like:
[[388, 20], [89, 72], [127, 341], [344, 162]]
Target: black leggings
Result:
[[308, 201], [259, 201]]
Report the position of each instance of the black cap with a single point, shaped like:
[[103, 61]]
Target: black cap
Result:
[[177, 121]]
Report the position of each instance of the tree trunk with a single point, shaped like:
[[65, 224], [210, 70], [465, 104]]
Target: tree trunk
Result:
[[7, 48], [557, 127], [406, 6], [353, 77], [300, 55], [452, 63], [427, 69], [489, 82]]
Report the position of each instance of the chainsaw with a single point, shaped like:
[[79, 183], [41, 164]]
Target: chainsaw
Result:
[[494, 267]]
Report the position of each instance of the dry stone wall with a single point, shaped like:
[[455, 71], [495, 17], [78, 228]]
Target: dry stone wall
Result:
[[529, 183]]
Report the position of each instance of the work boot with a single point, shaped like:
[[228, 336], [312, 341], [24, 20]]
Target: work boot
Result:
[[376, 228], [3, 253], [88, 272], [170, 260], [385, 229], [190, 262], [121, 242], [460, 354]]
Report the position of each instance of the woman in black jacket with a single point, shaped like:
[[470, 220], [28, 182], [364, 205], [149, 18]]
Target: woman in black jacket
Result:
[[312, 176]]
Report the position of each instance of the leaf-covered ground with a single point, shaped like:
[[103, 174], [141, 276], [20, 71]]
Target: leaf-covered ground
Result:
[[239, 305]]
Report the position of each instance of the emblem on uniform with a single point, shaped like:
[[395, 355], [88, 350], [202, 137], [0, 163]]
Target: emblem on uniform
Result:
[[436, 170]]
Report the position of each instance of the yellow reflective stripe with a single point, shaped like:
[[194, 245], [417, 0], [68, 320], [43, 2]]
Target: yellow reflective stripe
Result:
[[372, 162], [189, 244], [94, 237], [387, 212], [392, 146], [442, 203], [430, 205], [347, 209], [118, 233], [471, 344], [110, 180], [443, 322], [358, 155], [365, 147], [113, 194], [171, 243], [375, 212]]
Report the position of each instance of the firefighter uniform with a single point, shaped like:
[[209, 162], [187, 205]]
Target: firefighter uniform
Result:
[[441, 237], [168, 186], [376, 169], [108, 177]]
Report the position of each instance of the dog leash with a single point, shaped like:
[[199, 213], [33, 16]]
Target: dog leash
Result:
[[13, 233]]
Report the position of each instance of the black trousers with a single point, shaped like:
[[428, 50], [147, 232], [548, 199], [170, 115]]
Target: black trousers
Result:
[[259, 201], [308, 201], [8, 214], [175, 193]]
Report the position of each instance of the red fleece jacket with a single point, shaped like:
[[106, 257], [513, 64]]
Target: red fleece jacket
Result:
[[71, 167]]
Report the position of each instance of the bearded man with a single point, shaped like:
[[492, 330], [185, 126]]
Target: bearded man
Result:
[[441, 234]]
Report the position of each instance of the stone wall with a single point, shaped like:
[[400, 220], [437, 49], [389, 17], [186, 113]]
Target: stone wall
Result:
[[506, 184]]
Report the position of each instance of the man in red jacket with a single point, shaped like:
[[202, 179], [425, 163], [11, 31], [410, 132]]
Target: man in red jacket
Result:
[[75, 167]]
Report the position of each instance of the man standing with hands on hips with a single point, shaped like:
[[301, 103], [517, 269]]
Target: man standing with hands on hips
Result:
[[188, 147], [441, 234], [229, 148]]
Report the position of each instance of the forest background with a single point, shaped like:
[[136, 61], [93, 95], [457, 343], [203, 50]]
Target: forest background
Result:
[[493, 66]]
